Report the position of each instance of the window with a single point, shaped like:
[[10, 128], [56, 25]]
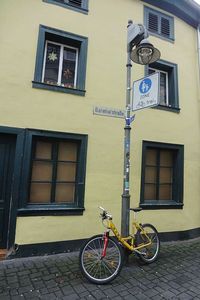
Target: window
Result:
[[168, 84], [60, 65], [77, 5], [159, 24], [55, 174], [164, 99], [162, 175], [60, 61]]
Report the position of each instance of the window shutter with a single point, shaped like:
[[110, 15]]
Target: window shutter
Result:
[[165, 27], [159, 23], [153, 22], [77, 3]]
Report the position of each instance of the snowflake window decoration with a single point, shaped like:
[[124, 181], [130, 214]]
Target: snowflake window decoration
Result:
[[52, 56]]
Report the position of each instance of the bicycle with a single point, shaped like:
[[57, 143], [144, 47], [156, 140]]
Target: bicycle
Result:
[[101, 257]]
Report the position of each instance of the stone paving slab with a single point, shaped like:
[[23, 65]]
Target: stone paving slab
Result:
[[175, 275]]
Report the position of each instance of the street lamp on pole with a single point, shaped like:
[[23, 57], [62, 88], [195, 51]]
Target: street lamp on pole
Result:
[[140, 51]]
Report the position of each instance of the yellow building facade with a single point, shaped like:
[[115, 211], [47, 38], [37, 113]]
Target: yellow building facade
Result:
[[60, 159]]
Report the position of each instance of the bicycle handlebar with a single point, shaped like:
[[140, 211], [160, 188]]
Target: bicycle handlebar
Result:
[[104, 215]]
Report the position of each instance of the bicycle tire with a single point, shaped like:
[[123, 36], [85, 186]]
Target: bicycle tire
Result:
[[150, 252], [95, 269]]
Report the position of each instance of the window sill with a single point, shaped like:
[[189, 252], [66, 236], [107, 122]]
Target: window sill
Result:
[[41, 210], [167, 108], [162, 205], [45, 86], [168, 39]]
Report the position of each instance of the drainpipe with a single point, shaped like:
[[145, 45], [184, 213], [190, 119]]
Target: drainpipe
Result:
[[198, 47]]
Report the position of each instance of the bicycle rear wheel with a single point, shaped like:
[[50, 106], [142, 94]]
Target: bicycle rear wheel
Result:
[[149, 253], [95, 268]]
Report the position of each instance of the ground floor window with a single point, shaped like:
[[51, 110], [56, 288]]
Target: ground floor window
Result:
[[162, 175], [53, 172]]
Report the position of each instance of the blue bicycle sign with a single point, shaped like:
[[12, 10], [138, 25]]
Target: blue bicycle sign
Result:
[[145, 85]]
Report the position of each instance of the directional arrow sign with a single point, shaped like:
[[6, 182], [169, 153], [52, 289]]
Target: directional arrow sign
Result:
[[130, 120]]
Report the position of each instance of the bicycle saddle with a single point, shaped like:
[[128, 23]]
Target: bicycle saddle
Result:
[[137, 209]]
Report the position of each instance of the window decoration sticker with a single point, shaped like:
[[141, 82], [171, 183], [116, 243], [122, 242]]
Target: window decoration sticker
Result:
[[52, 56]]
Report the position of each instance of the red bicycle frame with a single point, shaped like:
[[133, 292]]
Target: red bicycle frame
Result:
[[105, 239]]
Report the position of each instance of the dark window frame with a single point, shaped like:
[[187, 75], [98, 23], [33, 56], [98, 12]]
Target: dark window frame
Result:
[[173, 91], [65, 38], [75, 208], [160, 15], [178, 169], [83, 9]]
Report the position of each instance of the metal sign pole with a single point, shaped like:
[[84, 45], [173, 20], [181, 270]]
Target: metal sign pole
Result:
[[125, 215], [140, 51]]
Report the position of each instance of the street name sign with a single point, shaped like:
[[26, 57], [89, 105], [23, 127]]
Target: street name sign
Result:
[[146, 92], [108, 112]]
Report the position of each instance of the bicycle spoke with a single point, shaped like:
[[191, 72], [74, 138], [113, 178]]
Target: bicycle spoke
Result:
[[111, 255], [98, 267], [106, 266], [91, 264], [94, 250]]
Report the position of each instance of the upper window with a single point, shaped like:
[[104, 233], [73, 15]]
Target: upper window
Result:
[[159, 24], [61, 61], [54, 172], [168, 83], [162, 175], [164, 95], [60, 65], [77, 5]]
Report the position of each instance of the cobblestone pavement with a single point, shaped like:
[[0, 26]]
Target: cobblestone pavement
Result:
[[175, 275]]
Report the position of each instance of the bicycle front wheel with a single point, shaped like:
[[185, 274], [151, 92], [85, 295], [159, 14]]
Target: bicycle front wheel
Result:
[[97, 269], [149, 235]]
